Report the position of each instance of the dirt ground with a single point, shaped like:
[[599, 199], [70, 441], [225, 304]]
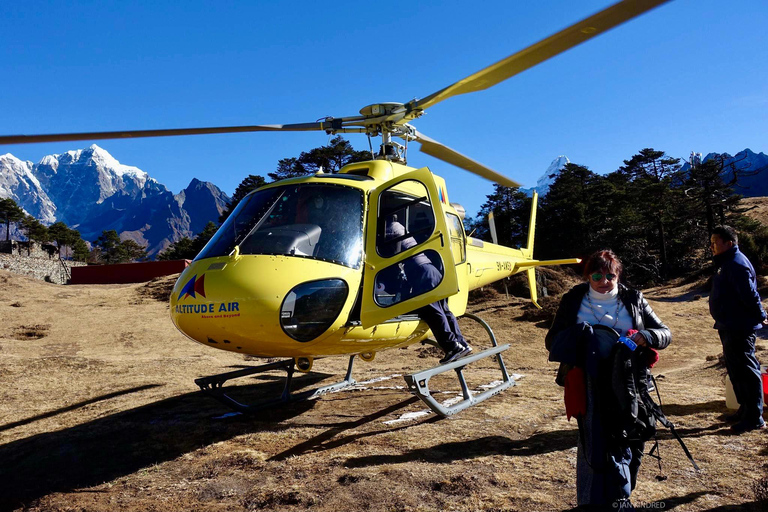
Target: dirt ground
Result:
[[756, 207], [99, 411]]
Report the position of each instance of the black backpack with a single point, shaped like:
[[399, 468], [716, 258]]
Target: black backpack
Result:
[[627, 384], [636, 413]]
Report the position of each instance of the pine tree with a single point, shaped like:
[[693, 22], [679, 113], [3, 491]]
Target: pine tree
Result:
[[573, 213], [248, 185], [10, 212], [331, 157], [129, 250], [187, 248], [34, 230], [288, 168], [709, 192], [109, 249], [181, 249], [62, 235], [655, 179], [511, 212], [108, 244], [80, 251], [203, 238]]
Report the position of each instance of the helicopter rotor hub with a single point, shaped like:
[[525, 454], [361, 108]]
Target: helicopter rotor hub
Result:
[[382, 109]]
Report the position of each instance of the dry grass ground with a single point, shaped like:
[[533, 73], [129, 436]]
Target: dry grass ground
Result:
[[758, 208], [98, 411]]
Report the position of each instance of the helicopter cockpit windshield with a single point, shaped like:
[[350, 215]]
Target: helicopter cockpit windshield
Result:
[[320, 221]]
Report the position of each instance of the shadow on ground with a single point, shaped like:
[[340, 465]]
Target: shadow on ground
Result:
[[545, 442], [74, 407], [696, 408], [120, 444], [697, 293]]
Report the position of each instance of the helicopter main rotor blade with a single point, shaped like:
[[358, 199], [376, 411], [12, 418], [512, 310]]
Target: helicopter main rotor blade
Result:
[[453, 157], [132, 134], [541, 51]]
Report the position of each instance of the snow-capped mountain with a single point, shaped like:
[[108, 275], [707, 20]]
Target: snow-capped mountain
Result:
[[89, 190], [18, 182], [548, 178], [753, 179]]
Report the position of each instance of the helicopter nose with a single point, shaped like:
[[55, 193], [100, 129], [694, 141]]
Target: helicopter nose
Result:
[[262, 305]]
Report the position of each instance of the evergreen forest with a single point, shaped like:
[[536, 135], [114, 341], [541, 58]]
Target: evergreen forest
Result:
[[654, 213]]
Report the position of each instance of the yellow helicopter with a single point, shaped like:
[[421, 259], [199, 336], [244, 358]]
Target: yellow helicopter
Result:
[[307, 268]]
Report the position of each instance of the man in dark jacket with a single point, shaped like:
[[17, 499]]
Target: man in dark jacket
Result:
[[735, 305]]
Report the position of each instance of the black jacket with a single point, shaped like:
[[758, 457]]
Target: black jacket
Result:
[[644, 320]]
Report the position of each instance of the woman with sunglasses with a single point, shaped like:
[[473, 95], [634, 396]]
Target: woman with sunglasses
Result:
[[606, 468]]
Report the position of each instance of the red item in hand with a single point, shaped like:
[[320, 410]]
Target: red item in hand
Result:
[[653, 357], [575, 393]]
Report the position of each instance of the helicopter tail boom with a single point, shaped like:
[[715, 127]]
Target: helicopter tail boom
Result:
[[489, 263]]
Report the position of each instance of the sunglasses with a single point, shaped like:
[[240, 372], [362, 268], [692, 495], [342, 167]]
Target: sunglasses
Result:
[[598, 276]]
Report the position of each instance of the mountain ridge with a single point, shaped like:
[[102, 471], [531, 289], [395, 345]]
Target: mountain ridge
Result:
[[89, 190], [752, 184]]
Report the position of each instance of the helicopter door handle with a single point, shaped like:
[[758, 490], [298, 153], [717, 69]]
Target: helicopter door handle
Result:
[[442, 241]]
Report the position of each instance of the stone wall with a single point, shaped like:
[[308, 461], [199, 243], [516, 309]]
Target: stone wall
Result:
[[44, 268], [26, 248]]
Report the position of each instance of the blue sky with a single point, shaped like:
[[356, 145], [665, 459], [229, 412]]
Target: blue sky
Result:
[[689, 75]]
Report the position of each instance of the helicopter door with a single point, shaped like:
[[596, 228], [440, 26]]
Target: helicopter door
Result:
[[408, 258]]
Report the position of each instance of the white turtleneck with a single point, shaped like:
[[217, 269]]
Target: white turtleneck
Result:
[[605, 309]]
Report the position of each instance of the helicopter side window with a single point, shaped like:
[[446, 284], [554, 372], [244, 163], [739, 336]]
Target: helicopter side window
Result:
[[456, 231], [405, 218]]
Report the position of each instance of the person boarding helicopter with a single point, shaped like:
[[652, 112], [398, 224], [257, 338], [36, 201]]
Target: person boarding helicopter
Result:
[[423, 276]]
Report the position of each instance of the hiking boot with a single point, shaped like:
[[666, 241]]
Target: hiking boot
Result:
[[457, 353], [747, 426]]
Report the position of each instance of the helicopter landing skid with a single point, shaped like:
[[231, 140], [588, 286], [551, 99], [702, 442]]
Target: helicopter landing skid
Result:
[[418, 383], [213, 386]]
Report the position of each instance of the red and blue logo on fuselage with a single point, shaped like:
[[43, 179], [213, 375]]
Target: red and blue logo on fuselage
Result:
[[193, 287]]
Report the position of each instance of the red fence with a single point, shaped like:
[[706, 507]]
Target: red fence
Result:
[[126, 272]]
